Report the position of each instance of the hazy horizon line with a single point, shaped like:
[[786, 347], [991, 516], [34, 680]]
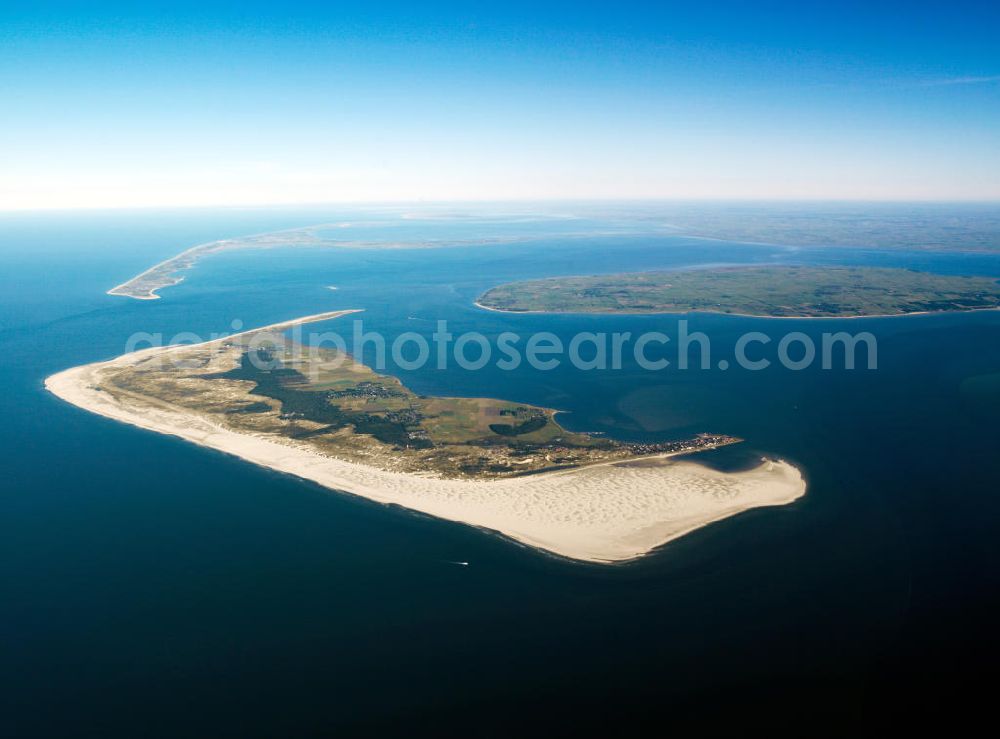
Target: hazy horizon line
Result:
[[499, 201]]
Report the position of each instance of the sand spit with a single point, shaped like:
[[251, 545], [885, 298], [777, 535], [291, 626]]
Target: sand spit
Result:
[[604, 513]]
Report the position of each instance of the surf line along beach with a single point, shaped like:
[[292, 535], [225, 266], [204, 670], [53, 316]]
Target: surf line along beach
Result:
[[603, 513]]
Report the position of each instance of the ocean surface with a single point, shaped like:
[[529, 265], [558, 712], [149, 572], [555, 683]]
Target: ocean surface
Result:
[[151, 587]]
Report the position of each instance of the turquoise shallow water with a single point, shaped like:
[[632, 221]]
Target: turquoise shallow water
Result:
[[150, 586]]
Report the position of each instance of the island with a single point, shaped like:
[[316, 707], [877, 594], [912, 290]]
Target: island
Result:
[[147, 284], [766, 291], [144, 286], [498, 465]]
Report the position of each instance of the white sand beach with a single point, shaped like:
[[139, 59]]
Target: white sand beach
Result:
[[605, 513]]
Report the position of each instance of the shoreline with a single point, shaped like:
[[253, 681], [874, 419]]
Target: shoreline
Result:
[[603, 513], [734, 315], [166, 271]]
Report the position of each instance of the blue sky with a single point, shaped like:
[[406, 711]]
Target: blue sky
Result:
[[204, 104]]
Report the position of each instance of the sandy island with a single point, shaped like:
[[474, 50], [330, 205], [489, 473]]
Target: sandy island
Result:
[[603, 513]]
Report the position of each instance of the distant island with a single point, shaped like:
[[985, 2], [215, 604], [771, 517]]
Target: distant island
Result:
[[769, 291], [499, 465], [147, 284]]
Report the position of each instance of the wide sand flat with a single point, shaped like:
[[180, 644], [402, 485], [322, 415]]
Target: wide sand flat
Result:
[[600, 513]]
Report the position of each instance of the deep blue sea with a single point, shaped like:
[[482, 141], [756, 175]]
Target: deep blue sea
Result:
[[151, 587]]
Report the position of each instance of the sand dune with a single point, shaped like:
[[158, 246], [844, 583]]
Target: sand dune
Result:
[[601, 513]]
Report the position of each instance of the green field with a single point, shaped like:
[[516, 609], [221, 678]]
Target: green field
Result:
[[756, 291], [348, 394]]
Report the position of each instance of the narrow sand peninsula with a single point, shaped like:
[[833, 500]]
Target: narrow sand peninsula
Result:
[[604, 513]]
